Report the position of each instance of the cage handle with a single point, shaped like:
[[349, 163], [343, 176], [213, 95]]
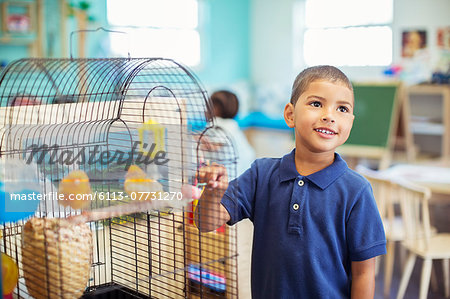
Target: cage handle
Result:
[[95, 30]]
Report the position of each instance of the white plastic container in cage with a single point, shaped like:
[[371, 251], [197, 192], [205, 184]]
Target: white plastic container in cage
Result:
[[109, 138], [19, 189]]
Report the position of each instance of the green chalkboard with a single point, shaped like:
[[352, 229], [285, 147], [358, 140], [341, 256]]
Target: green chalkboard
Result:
[[375, 112]]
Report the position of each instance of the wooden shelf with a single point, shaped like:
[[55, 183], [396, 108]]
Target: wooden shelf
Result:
[[426, 128], [17, 40], [429, 108], [32, 36]]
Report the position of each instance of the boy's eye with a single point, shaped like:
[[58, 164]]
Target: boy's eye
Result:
[[343, 109], [316, 104]]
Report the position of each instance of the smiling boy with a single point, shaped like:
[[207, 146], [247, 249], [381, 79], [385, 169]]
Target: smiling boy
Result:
[[317, 229]]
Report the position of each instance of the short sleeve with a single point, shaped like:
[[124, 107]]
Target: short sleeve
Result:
[[239, 197], [364, 228]]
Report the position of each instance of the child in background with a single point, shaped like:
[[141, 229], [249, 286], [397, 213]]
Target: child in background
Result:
[[225, 106], [317, 228]]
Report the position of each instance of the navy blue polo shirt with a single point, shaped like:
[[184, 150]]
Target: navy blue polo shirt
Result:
[[307, 229]]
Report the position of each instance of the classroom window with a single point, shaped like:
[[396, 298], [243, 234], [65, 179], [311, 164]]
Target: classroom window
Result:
[[337, 35], [156, 28]]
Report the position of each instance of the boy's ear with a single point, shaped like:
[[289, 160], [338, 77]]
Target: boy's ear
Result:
[[289, 115]]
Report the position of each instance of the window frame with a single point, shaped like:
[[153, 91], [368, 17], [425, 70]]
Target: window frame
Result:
[[302, 10]]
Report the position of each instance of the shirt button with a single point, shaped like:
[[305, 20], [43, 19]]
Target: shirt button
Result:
[[301, 183], [295, 207]]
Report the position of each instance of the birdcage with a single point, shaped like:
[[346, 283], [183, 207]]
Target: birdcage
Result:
[[101, 119]]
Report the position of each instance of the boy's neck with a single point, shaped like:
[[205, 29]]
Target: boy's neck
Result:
[[309, 163]]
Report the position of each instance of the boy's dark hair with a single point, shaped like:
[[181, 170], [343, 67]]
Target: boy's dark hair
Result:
[[225, 103], [320, 72]]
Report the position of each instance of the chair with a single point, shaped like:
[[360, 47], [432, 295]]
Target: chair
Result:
[[419, 239], [393, 224]]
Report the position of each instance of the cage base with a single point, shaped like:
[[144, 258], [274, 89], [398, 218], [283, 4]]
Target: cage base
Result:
[[112, 291]]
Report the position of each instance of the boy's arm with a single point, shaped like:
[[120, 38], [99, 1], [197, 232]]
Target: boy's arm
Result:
[[210, 214], [363, 279]]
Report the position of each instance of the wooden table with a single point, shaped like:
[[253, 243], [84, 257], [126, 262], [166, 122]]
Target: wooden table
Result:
[[434, 177], [428, 110]]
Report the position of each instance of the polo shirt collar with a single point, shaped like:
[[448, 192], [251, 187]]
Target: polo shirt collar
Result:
[[322, 178]]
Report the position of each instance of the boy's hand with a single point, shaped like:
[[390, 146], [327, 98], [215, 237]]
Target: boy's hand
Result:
[[215, 176], [210, 214]]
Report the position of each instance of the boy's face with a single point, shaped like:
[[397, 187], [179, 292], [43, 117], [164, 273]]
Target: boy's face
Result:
[[322, 117]]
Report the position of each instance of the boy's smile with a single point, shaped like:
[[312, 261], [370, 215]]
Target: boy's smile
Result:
[[322, 117], [327, 133]]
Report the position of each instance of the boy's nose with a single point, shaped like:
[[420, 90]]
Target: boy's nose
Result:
[[328, 118]]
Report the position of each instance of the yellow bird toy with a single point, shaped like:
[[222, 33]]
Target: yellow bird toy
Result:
[[76, 189], [139, 186]]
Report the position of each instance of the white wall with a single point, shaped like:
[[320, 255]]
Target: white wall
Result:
[[419, 14], [276, 46], [271, 41]]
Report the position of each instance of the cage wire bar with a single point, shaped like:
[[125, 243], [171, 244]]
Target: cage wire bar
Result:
[[101, 116]]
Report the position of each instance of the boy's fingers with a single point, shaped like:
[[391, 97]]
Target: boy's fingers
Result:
[[219, 172], [220, 179], [204, 173], [221, 175], [212, 175], [201, 174]]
